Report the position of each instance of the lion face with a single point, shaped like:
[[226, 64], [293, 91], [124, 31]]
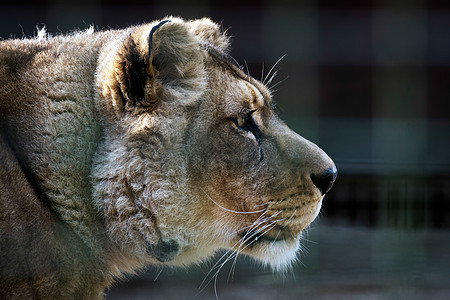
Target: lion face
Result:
[[194, 157]]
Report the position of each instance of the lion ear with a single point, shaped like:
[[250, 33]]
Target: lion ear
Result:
[[176, 59], [159, 61], [151, 50], [131, 74]]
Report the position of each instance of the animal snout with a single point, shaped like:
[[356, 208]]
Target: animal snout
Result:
[[325, 180]]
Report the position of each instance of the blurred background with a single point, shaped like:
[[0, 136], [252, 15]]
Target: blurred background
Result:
[[369, 82]]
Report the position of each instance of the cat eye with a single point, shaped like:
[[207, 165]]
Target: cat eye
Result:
[[240, 120], [245, 122]]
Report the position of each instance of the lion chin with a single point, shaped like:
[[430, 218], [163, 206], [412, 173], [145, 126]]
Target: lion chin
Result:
[[279, 255], [276, 247], [143, 146]]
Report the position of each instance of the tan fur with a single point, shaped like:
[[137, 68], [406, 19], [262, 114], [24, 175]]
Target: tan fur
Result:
[[115, 155]]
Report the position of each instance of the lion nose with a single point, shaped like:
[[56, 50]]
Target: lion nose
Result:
[[325, 180]]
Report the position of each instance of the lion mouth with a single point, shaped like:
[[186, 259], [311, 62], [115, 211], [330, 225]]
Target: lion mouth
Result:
[[275, 235]]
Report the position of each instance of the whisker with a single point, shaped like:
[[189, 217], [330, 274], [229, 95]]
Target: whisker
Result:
[[261, 225], [260, 219], [157, 275], [249, 244], [216, 275], [202, 286], [276, 237], [217, 267], [219, 264], [292, 216], [253, 225], [244, 228], [233, 268], [262, 230], [248, 72], [250, 233], [279, 82], [264, 204], [309, 241], [262, 71], [271, 69], [271, 78], [233, 211]]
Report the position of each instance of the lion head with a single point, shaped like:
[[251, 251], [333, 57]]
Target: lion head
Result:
[[194, 157]]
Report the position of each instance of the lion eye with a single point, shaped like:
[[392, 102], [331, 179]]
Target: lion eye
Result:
[[246, 123], [240, 120]]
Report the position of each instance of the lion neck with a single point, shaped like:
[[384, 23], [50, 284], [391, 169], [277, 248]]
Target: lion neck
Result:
[[56, 137]]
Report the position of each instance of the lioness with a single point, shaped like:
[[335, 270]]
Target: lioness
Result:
[[146, 145]]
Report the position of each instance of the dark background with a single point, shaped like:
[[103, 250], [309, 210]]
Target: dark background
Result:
[[369, 82]]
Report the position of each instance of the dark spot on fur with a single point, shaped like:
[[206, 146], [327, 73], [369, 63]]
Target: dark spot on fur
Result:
[[16, 60], [164, 251], [134, 71]]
